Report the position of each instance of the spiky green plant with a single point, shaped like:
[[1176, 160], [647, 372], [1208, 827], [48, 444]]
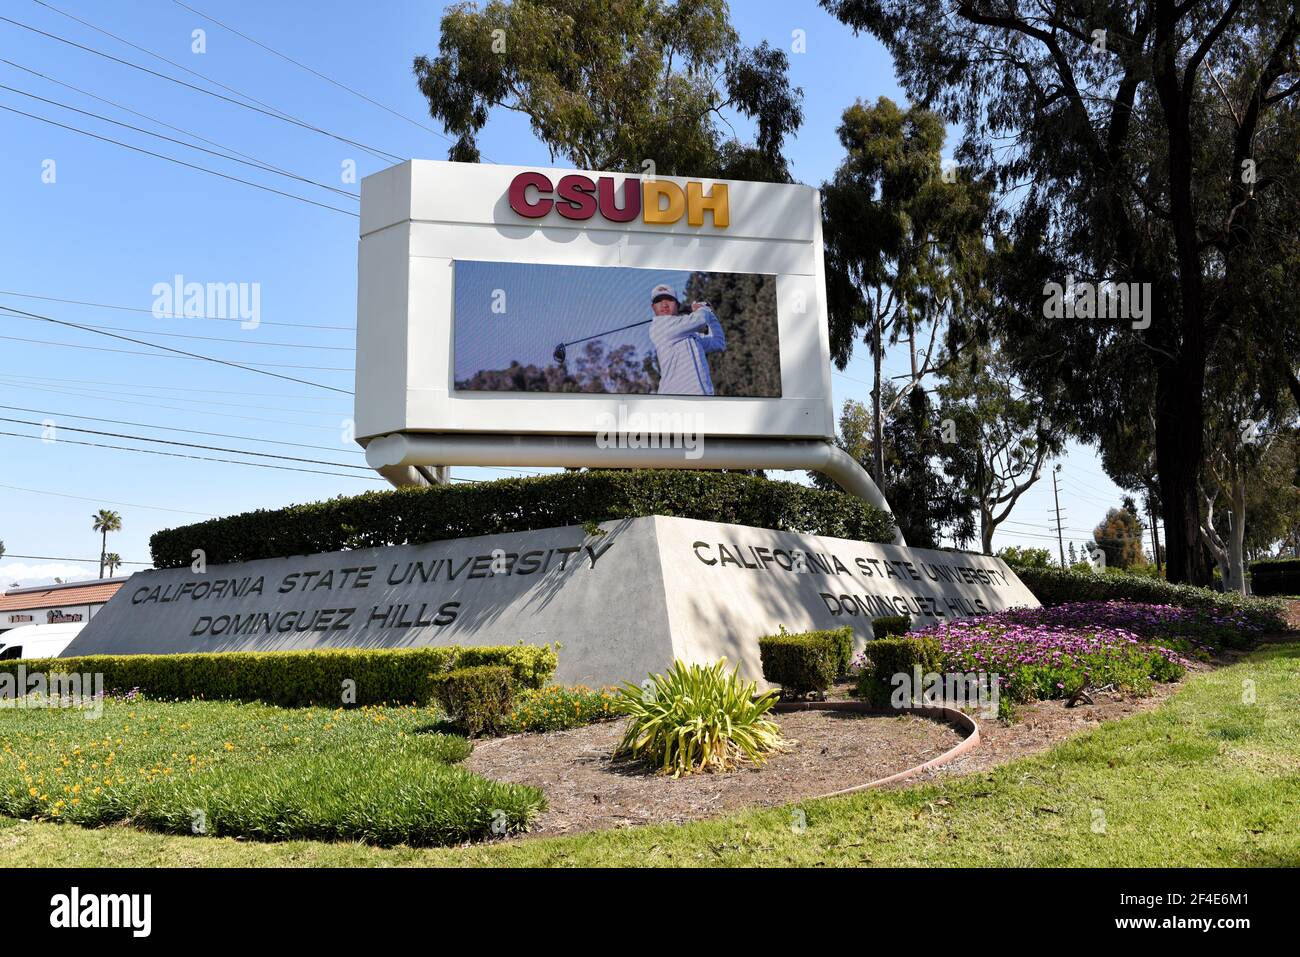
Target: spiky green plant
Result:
[[698, 717]]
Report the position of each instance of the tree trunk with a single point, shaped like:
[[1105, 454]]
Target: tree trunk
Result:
[[877, 414], [986, 509], [1237, 541], [1179, 445], [1180, 380], [103, 550]]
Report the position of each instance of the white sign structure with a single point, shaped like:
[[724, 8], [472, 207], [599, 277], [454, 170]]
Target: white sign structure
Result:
[[454, 368], [623, 603]]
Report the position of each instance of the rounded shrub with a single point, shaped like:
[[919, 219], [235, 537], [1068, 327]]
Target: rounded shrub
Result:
[[887, 657], [808, 662], [887, 625], [478, 699]]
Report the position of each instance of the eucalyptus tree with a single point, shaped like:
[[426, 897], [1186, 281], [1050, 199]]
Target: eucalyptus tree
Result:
[[610, 85], [1149, 143], [904, 250]]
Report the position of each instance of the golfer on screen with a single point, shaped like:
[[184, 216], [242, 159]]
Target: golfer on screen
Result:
[[681, 344]]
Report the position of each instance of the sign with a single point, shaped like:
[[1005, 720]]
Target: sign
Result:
[[58, 617], [616, 330], [657, 201], [506, 301], [622, 604], [18, 619]]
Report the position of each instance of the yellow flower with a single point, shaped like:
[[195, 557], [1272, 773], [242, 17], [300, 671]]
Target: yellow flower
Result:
[[33, 791]]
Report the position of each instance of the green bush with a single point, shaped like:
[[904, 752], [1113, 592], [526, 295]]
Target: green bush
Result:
[[1275, 576], [557, 708], [806, 662], [297, 678], [696, 718], [415, 515], [1052, 586], [1028, 557], [888, 625], [477, 699], [887, 657]]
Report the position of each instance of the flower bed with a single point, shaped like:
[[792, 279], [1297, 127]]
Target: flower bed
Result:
[[557, 708], [1056, 652], [1191, 631]]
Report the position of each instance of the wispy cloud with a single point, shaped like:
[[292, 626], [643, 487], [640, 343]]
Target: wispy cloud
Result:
[[41, 574]]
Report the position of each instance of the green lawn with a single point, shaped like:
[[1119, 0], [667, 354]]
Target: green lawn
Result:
[[1206, 779], [223, 768]]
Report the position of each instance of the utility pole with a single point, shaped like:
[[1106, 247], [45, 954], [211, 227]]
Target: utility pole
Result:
[[1057, 498], [1155, 535]]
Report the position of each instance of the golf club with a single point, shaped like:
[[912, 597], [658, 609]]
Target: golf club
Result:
[[561, 350]]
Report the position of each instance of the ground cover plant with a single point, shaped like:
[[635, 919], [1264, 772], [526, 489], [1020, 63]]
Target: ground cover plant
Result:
[[372, 774], [1190, 631], [1057, 652]]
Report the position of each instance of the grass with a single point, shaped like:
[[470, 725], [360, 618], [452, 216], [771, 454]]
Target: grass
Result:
[[253, 771], [1204, 780]]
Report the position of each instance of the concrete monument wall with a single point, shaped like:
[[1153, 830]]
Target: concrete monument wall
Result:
[[621, 604]]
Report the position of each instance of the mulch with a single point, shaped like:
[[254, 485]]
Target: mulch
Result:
[[588, 790], [1293, 614]]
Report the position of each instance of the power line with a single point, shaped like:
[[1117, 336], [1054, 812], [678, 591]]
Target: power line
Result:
[[171, 139], [169, 428], [86, 561], [187, 445], [181, 352], [154, 404], [105, 501], [197, 458], [152, 355], [152, 119], [169, 315], [313, 72], [271, 111], [234, 342], [181, 388], [172, 159]]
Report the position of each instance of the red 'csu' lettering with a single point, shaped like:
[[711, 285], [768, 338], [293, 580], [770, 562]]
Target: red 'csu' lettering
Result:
[[579, 197]]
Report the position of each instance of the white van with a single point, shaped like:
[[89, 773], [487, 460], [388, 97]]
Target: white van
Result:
[[38, 641]]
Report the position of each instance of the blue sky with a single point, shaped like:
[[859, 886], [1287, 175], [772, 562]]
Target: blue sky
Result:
[[110, 224]]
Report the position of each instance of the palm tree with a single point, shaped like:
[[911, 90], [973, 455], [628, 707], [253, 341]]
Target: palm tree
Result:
[[105, 521], [112, 560]]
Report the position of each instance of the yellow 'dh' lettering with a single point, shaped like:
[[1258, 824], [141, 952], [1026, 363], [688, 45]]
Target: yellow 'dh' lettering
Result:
[[654, 190], [715, 203]]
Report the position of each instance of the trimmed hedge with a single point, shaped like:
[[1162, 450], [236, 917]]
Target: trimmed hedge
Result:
[[1052, 586], [806, 662], [892, 656], [478, 699], [299, 678], [414, 515], [888, 625], [1275, 576]]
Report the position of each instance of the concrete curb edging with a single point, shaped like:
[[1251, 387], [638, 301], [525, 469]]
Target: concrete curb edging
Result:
[[962, 720]]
